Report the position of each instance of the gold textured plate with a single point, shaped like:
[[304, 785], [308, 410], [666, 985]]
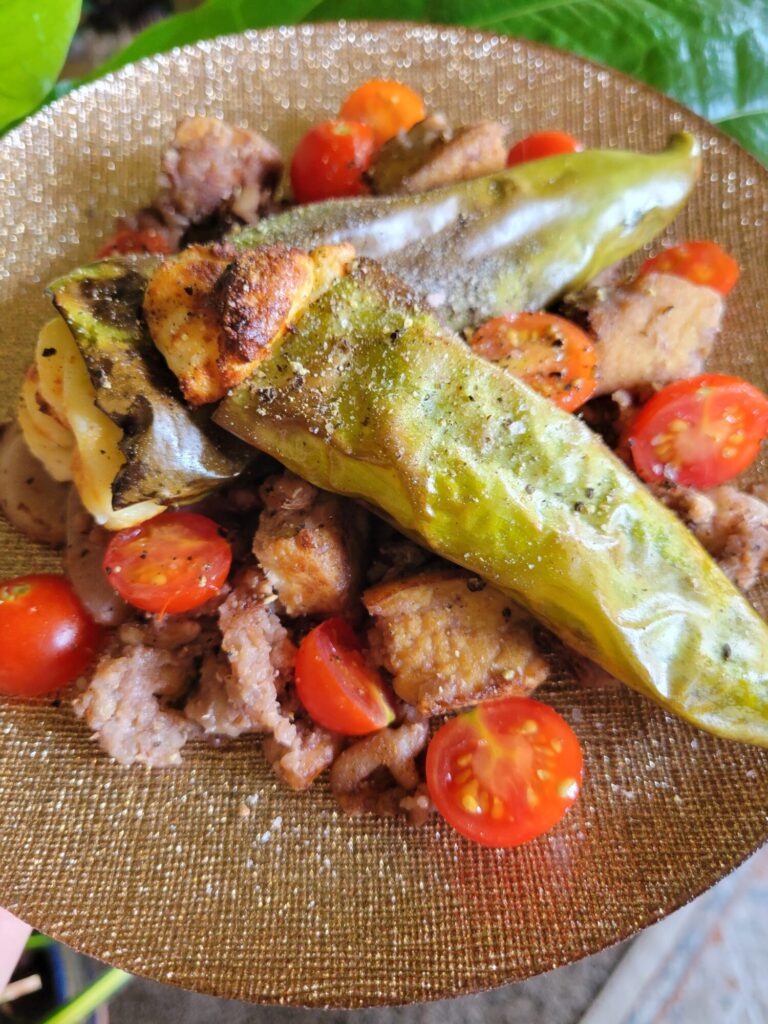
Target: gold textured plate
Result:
[[158, 872]]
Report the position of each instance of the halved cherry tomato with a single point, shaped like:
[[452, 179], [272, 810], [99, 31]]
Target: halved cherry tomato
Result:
[[698, 262], [552, 355], [169, 564], [388, 107], [699, 432], [336, 686], [329, 161], [542, 144], [505, 772], [134, 240], [47, 638]]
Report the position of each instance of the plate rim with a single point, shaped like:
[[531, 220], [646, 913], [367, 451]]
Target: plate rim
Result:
[[81, 93]]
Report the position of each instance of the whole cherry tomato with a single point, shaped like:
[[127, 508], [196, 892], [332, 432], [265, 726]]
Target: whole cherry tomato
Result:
[[47, 638]]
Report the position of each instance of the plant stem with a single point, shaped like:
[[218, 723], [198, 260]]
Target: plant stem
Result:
[[100, 991]]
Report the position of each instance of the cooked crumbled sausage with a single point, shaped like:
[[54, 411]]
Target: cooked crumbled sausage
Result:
[[212, 166], [656, 329], [431, 155], [312, 750], [379, 774], [310, 546], [168, 632], [241, 692], [417, 806], [449, 644], [389, 801], [732, 526], [394, 748], [126, 704], [215, 706]]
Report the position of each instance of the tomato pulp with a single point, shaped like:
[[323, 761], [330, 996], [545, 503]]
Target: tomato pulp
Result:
[[169, 564], [699, 432], [698, 262], [503, 773], [551, 354], [329, 161], [336, 685]]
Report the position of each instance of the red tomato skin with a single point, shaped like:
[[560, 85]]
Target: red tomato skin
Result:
[[47, 638], [328, 656], [702, 263], [540, 145], [186, 544], [680, 401], [388, 107], [330, 160], [458, 738], [135, 240]]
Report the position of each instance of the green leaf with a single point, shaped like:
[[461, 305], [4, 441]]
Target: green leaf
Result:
[[98, 992], [212, 18], [709, 54], [34, 39]]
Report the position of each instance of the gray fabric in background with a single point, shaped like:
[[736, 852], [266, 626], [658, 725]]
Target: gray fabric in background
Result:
[[560, 997]]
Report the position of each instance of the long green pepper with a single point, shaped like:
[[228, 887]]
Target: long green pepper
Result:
[[374, 398], [512, 240]]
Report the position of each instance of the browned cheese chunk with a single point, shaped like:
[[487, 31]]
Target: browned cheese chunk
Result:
[[310, 546], [656, 329], [450, 641], [731, 525], [432, 154], [214, 312], [213, 165]]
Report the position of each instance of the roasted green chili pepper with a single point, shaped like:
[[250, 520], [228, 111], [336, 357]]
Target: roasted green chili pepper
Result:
[[510, 240], [373, 398], [513, 240], [172, 454]]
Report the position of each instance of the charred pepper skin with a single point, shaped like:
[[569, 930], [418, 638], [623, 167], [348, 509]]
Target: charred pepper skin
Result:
[[509, 241], [373, 398], [173, 454]]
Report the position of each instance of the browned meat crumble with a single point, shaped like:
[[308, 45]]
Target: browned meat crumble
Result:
[[310, 545]]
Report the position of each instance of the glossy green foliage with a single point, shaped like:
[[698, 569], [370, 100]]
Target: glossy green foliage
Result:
[[34, 39]]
